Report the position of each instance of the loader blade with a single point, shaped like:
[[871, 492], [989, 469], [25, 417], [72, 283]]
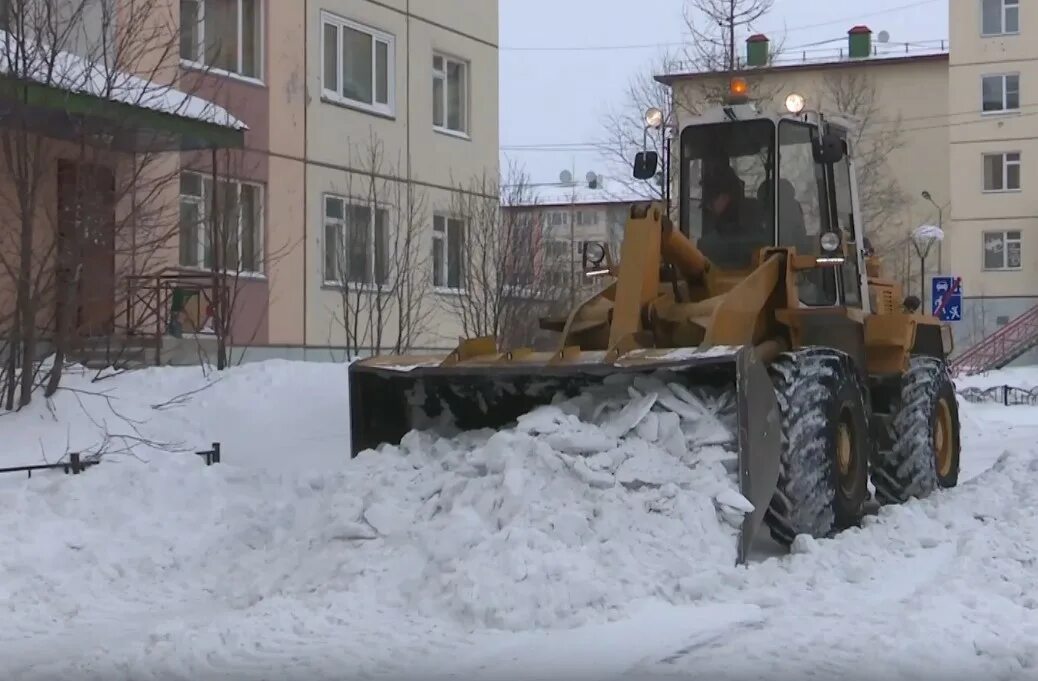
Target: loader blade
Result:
[[760, 443], [389, 399]]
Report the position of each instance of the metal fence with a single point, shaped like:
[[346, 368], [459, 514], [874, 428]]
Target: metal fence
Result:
[[77, 463], [1001, 394]]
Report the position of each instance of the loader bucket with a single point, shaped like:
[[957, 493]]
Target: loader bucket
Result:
[[391, 396]]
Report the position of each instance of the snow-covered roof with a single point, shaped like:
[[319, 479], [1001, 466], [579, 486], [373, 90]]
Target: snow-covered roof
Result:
[[582, 194], [682, 72], [74, 73]]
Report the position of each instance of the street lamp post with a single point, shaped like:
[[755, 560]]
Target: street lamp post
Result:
[[923, 239], [940, 225]]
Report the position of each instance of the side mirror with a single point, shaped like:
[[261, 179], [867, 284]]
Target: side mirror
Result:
[[645, 163], [828, 149], [911, 304]]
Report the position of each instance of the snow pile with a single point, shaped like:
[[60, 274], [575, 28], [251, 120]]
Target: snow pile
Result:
[[290, 561], [586, 505]]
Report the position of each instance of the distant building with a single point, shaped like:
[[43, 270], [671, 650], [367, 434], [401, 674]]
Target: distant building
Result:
[[566, 216]]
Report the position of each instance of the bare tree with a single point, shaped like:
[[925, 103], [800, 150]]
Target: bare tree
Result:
[[709, 56], [112, 197], [493, 259], [883, 201], [376, 255], [713, 25]]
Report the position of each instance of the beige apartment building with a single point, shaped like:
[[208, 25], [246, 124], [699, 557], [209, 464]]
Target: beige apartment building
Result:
[[993, 139], [422, 118], [373, 116], [357, 130]]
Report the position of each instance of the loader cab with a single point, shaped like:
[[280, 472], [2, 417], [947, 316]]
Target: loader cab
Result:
[[749, 181]]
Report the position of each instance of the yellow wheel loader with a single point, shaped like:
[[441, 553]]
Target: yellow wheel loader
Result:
[[765, 286]]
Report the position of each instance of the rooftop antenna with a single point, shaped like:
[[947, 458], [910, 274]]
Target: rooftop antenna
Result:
[[566, 177], [592, 180], [883, 37]]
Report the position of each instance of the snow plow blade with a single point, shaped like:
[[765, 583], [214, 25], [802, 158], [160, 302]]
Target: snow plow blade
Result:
[[391, 396]]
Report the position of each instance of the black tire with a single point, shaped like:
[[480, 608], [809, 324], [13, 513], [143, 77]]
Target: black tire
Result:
[[819, 393], [910, 468]]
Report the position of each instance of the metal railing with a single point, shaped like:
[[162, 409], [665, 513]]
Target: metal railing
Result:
[[75, 465], [1001, 347], [1001, 394], [149, 302]]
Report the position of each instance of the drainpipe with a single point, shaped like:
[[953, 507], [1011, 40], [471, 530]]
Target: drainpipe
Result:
[[306, 174]]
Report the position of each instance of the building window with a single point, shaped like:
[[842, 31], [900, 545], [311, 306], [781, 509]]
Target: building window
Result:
[[355, 243], [358, 64], [558, 256], [1001, 93], [448, 252], [1000, 17], [223, 34], [1001, 250], [239, 208], [1002, 172], [450, 94]]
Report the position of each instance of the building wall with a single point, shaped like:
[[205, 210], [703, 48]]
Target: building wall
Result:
[[991, 294], [341, 137], [286, 186], [267, 302]]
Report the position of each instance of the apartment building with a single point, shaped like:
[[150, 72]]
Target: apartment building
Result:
[[366, 120], [358, 132], [407, 91], [993, 136], [899, 96]]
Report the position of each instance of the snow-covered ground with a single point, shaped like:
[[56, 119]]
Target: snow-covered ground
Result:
[[532, 553]]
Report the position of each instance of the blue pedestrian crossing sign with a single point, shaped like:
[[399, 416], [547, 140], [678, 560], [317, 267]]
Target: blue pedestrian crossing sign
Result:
[[946, 298]]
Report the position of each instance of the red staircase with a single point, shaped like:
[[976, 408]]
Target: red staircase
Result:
[[1001, 347]]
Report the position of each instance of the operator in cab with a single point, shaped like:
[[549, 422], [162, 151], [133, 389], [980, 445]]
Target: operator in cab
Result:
[[734, 225]]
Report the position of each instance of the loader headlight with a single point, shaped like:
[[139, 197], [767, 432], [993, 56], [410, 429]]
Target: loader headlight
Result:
[[795, 103], [830, 242], [654, 118]]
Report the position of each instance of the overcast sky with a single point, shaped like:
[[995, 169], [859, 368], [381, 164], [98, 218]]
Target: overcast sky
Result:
[[555, 96]]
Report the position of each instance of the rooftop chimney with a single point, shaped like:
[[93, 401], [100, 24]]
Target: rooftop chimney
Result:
[[860, 42], [757, 50]]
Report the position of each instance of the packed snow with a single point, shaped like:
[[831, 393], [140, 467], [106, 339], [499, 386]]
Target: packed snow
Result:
[[594, 539]]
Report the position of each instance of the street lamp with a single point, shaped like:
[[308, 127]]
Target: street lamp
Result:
[[940, 224], [923, 239]]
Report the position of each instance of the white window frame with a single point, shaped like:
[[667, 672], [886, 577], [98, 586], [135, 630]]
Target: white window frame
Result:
[[1005, 5], [1005, 93], [205, 204], [441, 239], [369, 257], [1006, 163], [466, 99], [198, 61], [377, 36], [1006, 240]]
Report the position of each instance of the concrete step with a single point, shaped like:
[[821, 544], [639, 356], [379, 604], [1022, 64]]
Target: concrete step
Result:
[[120, 353]]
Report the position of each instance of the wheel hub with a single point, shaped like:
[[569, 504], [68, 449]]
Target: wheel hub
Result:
[[942, 438], [844, 455]]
